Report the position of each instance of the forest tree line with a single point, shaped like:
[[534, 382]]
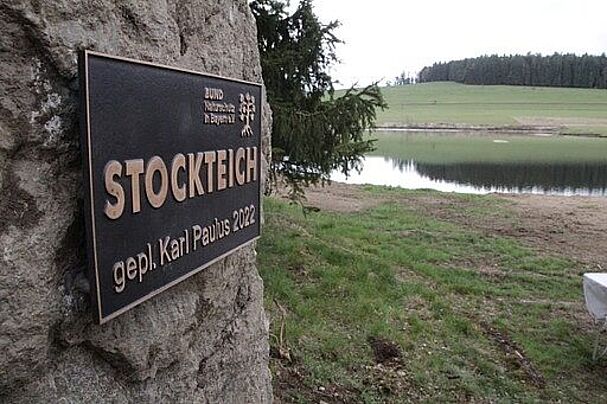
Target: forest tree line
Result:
[[557, 70]]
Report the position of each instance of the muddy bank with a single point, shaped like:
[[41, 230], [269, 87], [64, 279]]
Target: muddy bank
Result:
[[446, 128], [531, 130]]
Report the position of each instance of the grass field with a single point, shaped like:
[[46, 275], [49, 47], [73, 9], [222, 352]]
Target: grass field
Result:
[[570, 110], [391, 305]]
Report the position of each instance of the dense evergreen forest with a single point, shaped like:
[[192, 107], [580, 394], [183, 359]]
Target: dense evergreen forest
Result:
[[557, 70]]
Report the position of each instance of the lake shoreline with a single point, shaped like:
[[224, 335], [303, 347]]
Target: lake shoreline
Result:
[[489, 130], [549, 223]]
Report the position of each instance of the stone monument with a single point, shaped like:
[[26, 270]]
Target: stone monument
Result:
[[203, 340]]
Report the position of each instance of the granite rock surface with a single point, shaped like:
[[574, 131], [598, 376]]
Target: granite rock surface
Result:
[[204, 340]]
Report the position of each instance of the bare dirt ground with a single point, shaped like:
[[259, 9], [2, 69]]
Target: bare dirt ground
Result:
[[573, 227]]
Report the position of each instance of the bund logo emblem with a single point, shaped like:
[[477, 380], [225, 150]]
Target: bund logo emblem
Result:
[[247, 113]]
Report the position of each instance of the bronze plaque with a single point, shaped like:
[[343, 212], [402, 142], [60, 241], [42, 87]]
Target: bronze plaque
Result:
[[172, 167]]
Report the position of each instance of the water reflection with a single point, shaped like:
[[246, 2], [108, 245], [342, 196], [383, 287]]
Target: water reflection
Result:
[[586, 178]]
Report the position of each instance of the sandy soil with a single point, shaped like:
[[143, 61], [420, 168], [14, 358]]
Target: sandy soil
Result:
[[574, 227]]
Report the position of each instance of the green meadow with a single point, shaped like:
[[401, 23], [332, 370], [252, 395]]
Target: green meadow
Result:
[[570, 110], [391, 305]]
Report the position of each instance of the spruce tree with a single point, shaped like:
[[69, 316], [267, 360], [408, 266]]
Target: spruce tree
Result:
[[315, 130], [556, 70]]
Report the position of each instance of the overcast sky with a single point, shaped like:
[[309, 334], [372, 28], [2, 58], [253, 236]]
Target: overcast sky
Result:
[[385, 37]]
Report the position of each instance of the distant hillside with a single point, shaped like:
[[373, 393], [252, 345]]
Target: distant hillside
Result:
[[444, 104], [530, 70]]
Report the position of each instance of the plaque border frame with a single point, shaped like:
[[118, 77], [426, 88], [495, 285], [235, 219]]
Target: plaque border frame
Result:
[[89, 208]]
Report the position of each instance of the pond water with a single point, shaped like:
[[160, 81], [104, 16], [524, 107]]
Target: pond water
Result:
[[484, 163]]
